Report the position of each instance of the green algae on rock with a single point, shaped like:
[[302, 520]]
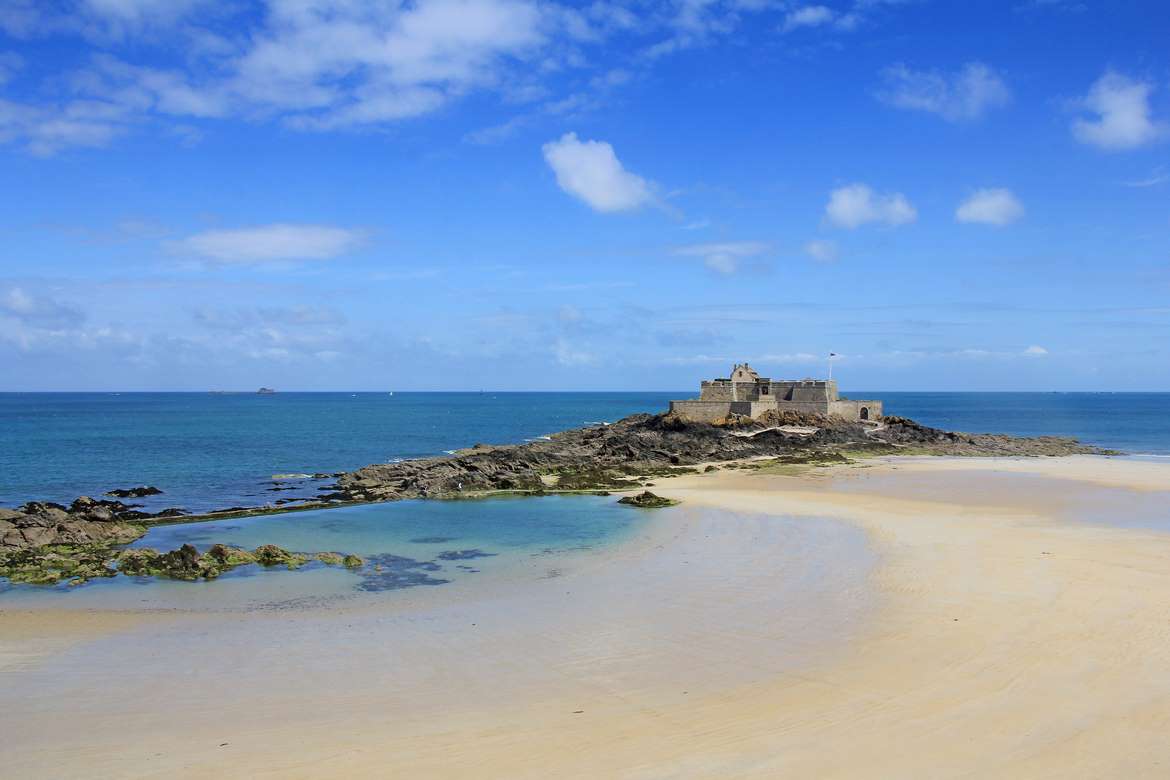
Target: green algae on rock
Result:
[[76, 564], [647, 500], [51, 564]]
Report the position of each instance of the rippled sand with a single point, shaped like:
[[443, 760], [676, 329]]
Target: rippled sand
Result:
[[908, 618]]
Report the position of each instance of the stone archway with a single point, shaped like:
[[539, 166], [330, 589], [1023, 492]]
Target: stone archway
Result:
[[864, 414]]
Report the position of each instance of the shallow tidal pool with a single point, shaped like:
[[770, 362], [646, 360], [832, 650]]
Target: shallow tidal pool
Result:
[[404, 544]]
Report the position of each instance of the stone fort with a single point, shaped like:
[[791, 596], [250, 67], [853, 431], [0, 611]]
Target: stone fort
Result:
[[746, 392]]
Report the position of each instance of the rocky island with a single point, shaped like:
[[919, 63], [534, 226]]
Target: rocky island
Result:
[[612, 456]]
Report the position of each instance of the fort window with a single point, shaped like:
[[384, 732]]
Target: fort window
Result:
[[864, 413]]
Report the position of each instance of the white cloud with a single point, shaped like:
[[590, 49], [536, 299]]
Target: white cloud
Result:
[[1121, 109], [965, 95], [47, 130], [314, 65], [591, 172], [325, 65], [996, 206], [822, 251], [273, 243], [1035, 351], [724, 257], [808, 16], [854, 205]]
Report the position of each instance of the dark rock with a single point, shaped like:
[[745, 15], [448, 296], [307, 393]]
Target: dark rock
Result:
[[135, 492], [180, 564]]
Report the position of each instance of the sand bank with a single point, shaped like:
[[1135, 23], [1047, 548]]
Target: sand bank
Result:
[[912, 618]]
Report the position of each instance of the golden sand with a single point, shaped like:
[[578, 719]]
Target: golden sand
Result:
[[991, 635]]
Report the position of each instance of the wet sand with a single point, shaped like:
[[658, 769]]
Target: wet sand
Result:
[[905, 618]]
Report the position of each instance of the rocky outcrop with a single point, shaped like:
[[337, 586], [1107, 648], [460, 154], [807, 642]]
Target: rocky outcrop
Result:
[[85, 521], [647, 500], [135, 492], [643, 445]]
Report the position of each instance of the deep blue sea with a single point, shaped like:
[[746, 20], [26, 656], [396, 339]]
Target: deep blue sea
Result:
[[210, 451]]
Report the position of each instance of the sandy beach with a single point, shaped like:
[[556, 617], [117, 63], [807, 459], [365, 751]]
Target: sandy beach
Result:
[[913, 617]]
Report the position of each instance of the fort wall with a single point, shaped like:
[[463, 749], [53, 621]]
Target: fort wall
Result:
[[746, 392]]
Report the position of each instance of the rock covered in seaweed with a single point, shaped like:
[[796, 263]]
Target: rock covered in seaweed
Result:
[[51, 564], [647, 500]]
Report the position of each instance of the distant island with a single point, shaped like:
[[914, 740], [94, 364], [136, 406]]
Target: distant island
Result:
[[265, 391]]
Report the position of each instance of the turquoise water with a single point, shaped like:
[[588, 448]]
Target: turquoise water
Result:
[[405, 544], [211, 451]]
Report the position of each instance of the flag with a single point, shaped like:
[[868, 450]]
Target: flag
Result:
[[832, 354]]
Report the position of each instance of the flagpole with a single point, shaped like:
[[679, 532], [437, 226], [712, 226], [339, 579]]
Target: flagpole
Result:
[[830, 366]]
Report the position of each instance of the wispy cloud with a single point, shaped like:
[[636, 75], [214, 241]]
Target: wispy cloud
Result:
[[966, 95], [272, 243], [724, 257], [568, 355], [1157, 177], [331, 65], [764, 361], [38, 309], [822, 251]]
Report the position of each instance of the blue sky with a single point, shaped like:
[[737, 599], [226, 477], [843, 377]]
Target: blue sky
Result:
[[508, 194]]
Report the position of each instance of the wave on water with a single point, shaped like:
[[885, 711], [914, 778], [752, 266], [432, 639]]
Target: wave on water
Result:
[[449, 452], [292, 476]]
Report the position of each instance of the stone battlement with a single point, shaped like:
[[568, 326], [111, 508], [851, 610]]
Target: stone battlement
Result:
[[747, 393]]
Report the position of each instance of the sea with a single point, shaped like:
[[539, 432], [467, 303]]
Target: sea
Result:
[[209, 451]]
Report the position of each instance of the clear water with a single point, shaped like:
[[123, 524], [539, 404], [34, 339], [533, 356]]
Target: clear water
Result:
[[405, 544]]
